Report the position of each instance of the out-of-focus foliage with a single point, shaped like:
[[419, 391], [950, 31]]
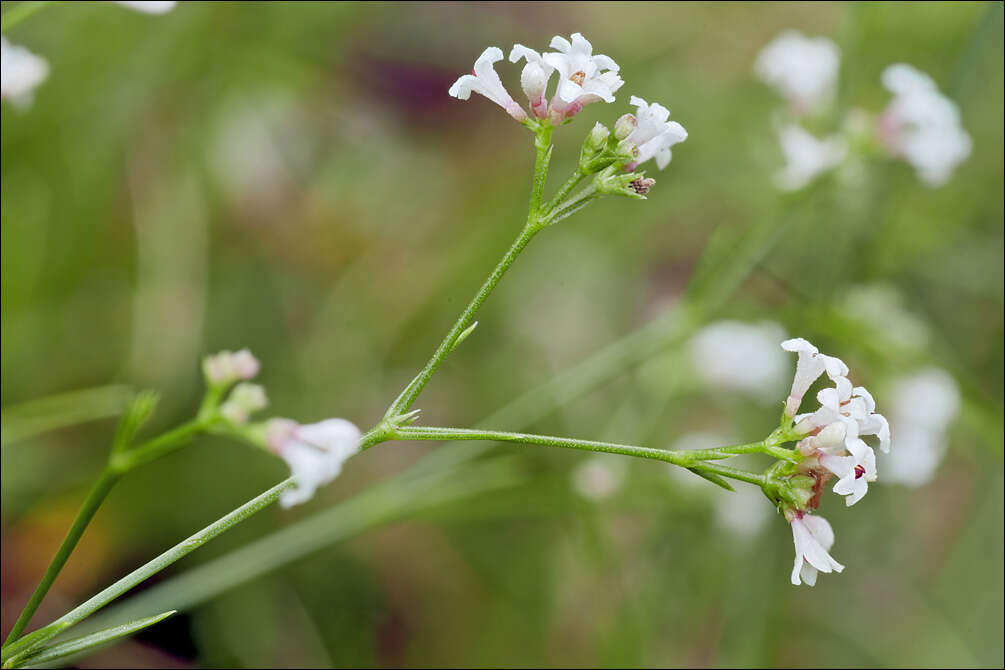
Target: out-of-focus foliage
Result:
[[292, 177]]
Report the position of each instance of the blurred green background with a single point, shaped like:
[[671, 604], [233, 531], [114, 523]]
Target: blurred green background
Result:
[[292, 177]]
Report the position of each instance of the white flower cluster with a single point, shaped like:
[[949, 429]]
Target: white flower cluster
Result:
[[735, 356], [920, 126], [832, 446], [583, 78]]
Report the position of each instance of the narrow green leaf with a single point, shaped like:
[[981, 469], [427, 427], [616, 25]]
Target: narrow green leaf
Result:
[[19, 422], [87, 643], [464, 335], [714, 478], [136, 415]]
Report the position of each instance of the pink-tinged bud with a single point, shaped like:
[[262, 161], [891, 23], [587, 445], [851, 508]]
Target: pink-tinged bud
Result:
[[227, 367], [246, 366], [625, 125]]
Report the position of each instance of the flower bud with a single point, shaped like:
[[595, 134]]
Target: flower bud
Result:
[[627, 152], [228, 367], [244, 400], [624, 127], [598, 136]]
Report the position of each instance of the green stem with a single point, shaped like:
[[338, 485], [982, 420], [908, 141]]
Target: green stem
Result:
[[20, 12], [34, 640], [408, 396], [573, 181], [119, 464], [685, 459], [159, 446], [99, 491]]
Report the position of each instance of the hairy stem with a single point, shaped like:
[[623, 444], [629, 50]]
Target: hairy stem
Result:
[[408, 396], [686, 459]]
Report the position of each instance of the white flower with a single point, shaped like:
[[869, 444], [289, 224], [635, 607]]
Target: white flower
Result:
[[534, 78], [739, 356], [813, 538], [655, 133], [922, 126], [21, 72], [809, 366], [806, 157], [925, 403], [803, 69], [583, 77], [599, 477], [315, 453], [148, 6], [228, 367], [484, 81], [243, 401]]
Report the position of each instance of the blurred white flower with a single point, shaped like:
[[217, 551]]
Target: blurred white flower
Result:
[[802, 69], [599, 476], [806, 157], [315, 453], [227, 367], [148, 6], [21, 72], [744, 512], [583, 77], [882, 308], [731, 355], [813, 538], [922, 126], [484, 81], [925, 404], [654, 133]]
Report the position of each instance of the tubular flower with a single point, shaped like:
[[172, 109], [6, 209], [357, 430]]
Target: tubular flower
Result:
[[809, 366], [813, 538], [484, 81], [534, 78], [654, 133], [583, 77], [802, 69], [922, 126], [315, 453]]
